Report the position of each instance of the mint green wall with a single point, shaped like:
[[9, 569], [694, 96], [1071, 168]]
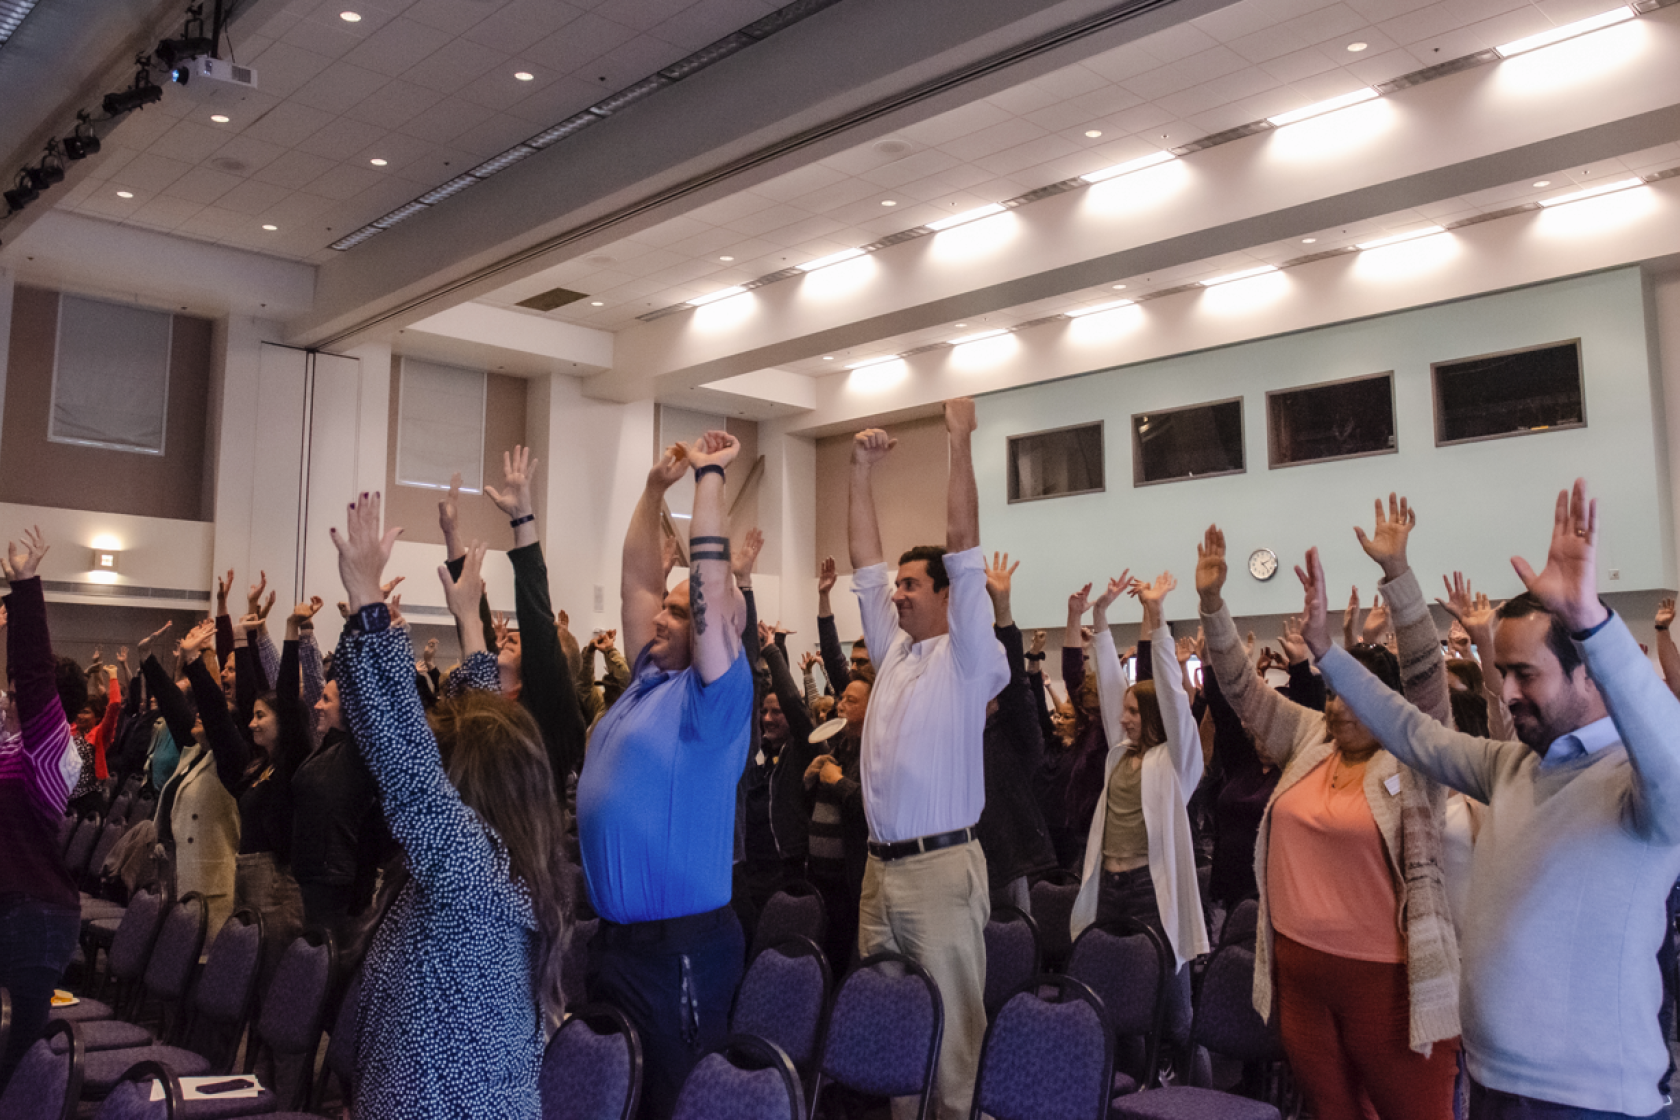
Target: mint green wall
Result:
[[1477, 503]]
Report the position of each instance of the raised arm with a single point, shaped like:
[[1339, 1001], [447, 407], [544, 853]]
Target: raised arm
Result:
[[455, 551], [642, 583], [51, 755], [1184, 739], [463, 591], [231, 750], [1280, 727], [743, 557], [1668, 654], [1476, 614], [962, 499], [300, 628], [863, 530], [787, 692], [1111, 675], [716, 609], [1423, 668]]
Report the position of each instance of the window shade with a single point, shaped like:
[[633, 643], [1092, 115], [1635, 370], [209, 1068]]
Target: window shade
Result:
[[440, 426], [110, 376]]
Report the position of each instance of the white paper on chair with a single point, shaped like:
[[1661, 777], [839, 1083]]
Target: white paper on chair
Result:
[[190, 1088]]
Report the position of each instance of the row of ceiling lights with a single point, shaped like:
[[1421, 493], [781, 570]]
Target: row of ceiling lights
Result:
[[1241, 274], [1281, 120]]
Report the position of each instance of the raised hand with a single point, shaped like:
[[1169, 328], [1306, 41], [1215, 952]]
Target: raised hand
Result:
[[223, 587], [1079, 602], [394, 605], [1039, 638], [1350, 621], [714, 449], [562, 622], [1568, 585], [1270, 659], [1376, 622], [1185, 648], [1665, 615], [827, 575], [122, 651], [22, 562], [1211, 570], [807, 660], [204, 633], [766, 635], [871, 445], [1294, 646], [604, 640], [1116, 587], [462, 597], [253, 595], [428, 655], [144, 645], [959, 415], [745, 556], [304, 613], [363, 550], [1157, 591], [518, 468], [999, 573], [250, 622], [672, 465], [1458, 640], [499, 624], [1315, 618], [389, 586], [1387, 542]]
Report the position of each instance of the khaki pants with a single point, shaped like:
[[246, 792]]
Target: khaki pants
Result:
[[933, 908]]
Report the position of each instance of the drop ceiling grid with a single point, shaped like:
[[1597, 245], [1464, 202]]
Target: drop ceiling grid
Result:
[[426, 85], [1250, 60]]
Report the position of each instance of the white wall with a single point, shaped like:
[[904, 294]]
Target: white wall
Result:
[[1478, 502]]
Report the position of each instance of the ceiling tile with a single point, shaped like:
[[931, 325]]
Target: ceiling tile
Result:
[[768, 217], [1383, 67], [1425, 23], [846, 192], [794, 184], [1079, 113], [446, 120], [1378, 10], [252, 197], [284, 69], [294, 170], [455, 66], [1299, 65], [1029, 156], [203, 186], [1005, 134], [910, 168], [346, 181], [342, 139], [1159, 83], [451, 15], [166, 213], [399, 46], [1123, 62], [580, 42], [946, 127], [522, 22], [394, 104], [245, 154], [340, 87], [1178, 42], [1023, 99], [189, 142], [287, 124], [152, 173]]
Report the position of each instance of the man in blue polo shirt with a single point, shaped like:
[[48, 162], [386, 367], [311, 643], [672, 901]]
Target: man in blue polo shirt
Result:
[[656, 798]]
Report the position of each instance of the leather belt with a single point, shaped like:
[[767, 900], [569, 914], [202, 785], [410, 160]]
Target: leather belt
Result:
[[921, 844]]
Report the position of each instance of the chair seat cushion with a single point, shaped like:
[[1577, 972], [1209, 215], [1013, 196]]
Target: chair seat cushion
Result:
[[106, 1034], [94, 909], [84, 1012], [1124, 1084], [263, 1104], [105, 1068], [1189, 1103], [102, 931]]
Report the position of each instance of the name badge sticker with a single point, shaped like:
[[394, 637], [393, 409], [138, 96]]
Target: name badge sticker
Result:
[[1392, 785]]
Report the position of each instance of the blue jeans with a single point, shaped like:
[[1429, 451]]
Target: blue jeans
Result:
[[1492, 1104], [674, 980], [37, 940]]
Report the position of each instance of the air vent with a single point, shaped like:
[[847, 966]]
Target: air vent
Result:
[[554, 297]]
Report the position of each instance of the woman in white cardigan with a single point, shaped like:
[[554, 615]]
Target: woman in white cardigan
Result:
[[1140, 858]]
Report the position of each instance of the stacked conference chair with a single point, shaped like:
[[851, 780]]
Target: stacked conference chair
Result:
[[749, 1079], [592, 1068], [797, 910], [1129, 974], [1048, 1053], [48, 1081], [883, 1033], [782, 999], [1013, 955]]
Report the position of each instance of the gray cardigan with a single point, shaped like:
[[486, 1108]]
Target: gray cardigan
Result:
[[1568, 880]]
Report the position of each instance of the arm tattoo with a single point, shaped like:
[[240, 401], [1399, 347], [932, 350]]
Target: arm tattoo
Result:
[[697, 603]]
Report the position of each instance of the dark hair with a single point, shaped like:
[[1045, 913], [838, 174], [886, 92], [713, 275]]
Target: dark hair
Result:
[[1152, 730], [1469, 674], [1557, 635], [935, 558], [1382, 664], [72, 687], [1470, 713]]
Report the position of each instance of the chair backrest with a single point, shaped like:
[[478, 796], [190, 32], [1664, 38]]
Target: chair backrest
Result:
[[179, 944], [592, 1069], [797, 910], [136, 934], [749, 1079], [1242, 924], [227, 984], [1225, 1021], [108, 837], [294, 1009], [67, 825], [884, 1031], [1129, 975], [341, 1044], [1012, 954], [1052, 907], [131, 1098], [119, 807], [782, 998], [81, 845], [46, 1085], [1046, 1059]]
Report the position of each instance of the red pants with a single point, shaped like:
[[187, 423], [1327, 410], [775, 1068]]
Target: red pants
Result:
[[1345, 1027]]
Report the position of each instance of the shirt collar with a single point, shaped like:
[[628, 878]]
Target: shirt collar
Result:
[[1582, 741]]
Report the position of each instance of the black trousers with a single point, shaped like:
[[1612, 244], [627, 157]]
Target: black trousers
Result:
[[674, 980]]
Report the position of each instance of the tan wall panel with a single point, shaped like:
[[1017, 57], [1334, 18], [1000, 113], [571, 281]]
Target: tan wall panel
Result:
[[910, 488]]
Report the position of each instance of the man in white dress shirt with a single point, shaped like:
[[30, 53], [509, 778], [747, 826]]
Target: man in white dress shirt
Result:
[[937, 662]]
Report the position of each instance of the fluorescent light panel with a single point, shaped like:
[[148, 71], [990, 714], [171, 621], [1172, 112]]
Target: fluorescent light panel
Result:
[[832, 258], [873, 362], [968, 338], [12, 13], [1567, 31], [1395, 239], [1129, 166], [966, 216], [1243, 275], [713, 297], [1318, 109], [1081, 312], [1593, 192]]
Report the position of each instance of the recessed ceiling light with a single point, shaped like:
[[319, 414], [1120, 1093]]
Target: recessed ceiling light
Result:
[[888, 202], [713, 297], [1544, 183], [596, 303], [350, 17], [1567, 31], [726, 258], [525, 76], [1308, 240], [828, 357], [1357, 47], [1319, 108], [377, 162], [1594, 192], [271, 229], [1130, 166], [1113, 305], [1243, 275], [959, 326], [125, 194], [980, 336], [833, 258], [1397, 238], [1119, 287], [1093, 133], [966, 216], [219, 118]]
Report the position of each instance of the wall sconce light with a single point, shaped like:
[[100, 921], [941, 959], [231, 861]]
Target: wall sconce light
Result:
[[107, 560]]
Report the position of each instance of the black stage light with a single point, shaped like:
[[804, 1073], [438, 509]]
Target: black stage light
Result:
[[82, 143], [143, 92], [192, 43], [49, 172], [21, 195]]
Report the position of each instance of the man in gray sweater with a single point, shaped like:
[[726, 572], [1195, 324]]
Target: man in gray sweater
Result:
[[1567, 888]]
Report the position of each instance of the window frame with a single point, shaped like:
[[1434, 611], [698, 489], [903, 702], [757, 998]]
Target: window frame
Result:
[[1009, 461], [1272, 463], [1139, 481], [58, 354], [1580, 380]]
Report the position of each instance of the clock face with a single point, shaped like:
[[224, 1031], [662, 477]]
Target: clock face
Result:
[[1262, 563]]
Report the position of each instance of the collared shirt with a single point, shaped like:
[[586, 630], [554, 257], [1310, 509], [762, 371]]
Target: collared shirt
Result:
[[656, 803], [1582, 741], [923, 737]]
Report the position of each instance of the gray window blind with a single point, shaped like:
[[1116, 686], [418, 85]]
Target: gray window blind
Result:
[[110, 376], [440, 426]]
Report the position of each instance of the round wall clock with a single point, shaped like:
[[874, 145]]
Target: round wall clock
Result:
[[1262, 563]]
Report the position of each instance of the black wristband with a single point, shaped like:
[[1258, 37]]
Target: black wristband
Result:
[[518, 521], [1033, 656], [375, 618], [701, 471], [1583, 635]]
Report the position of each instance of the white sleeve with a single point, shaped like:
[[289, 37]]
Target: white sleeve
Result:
[[1183, 738], [1111, 684], [880, 620], [972, 621]]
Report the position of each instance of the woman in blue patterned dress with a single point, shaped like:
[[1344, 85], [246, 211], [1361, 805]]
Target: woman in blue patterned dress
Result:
[[455, 981]]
